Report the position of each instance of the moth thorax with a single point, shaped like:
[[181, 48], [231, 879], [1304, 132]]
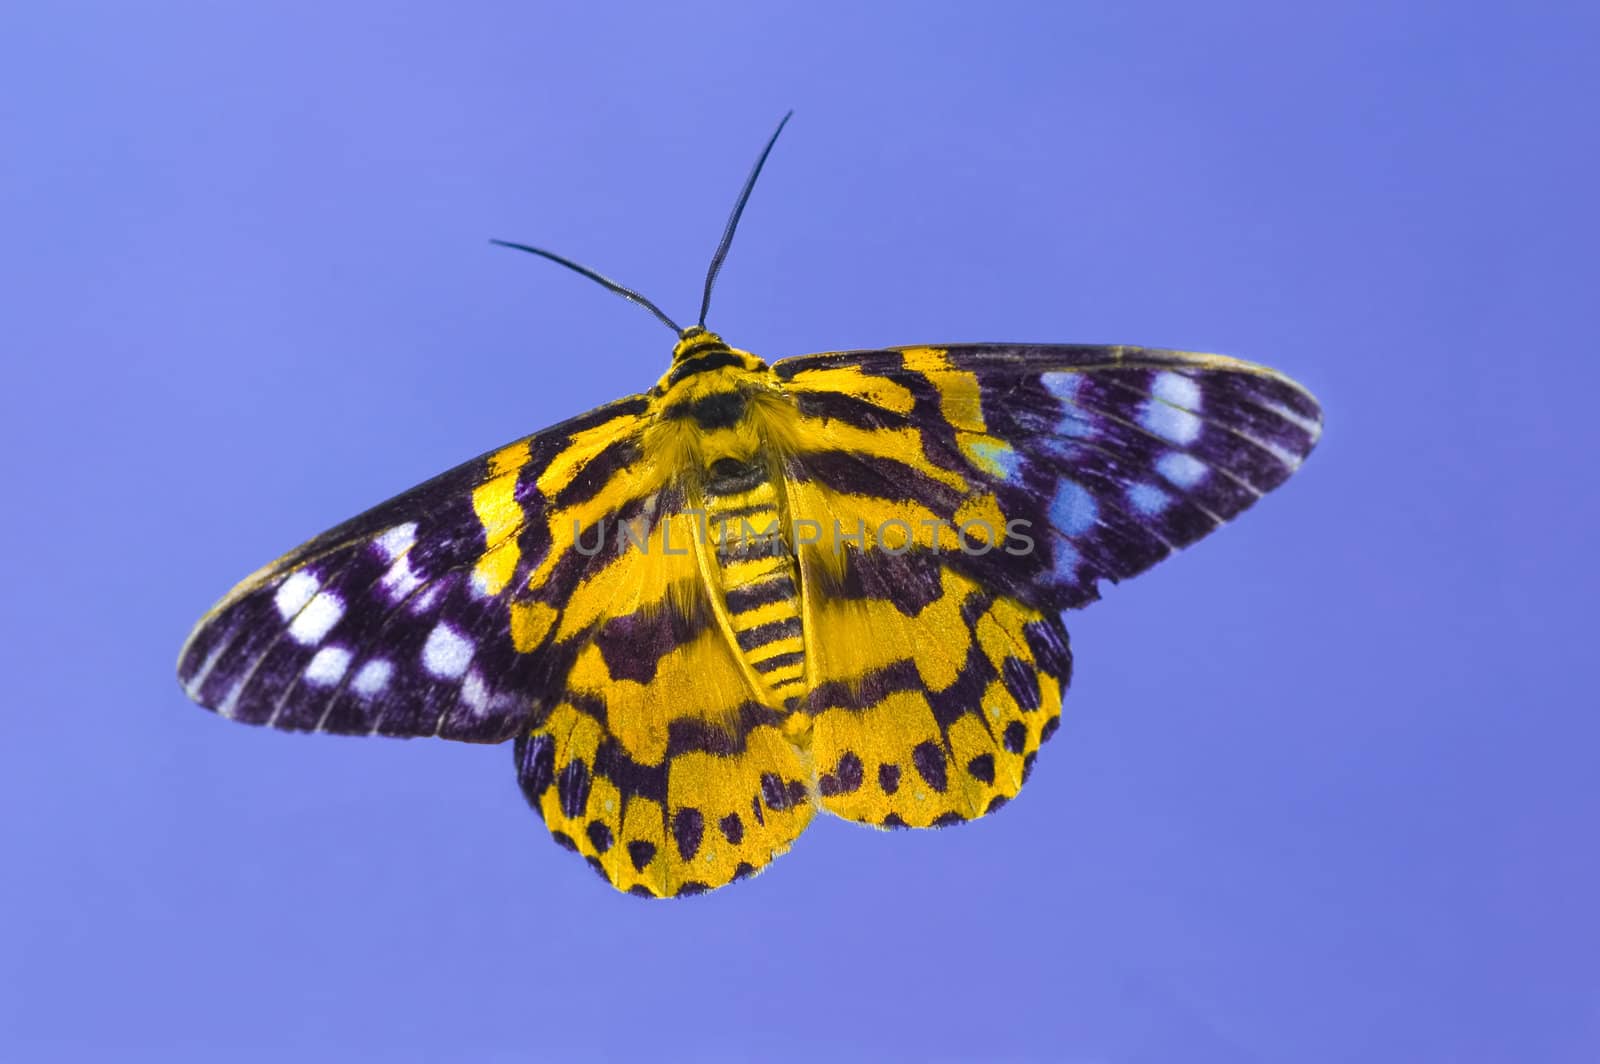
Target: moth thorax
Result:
[[731, 476]]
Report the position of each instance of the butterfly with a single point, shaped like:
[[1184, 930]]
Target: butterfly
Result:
[[756, 592]]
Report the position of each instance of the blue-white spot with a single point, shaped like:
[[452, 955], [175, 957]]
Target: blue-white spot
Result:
[[1073, 510], [1182, 468], [327, 666], [396, 541], [474, 693], [400, 580], [447, 653], [1176, 389], [1063, 386], [1148, 499], [372, 677], [1169, 412], [316, 618], [1065, 560], [296, 590], [996, 458], [1075, 422]]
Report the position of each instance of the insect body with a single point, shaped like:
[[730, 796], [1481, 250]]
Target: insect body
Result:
[[707, 612]]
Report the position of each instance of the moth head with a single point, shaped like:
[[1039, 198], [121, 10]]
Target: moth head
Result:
[[694, 340]]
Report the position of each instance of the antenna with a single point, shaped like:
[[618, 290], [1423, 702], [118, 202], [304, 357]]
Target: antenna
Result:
[[733, 219], [626, 293], [716, 260]]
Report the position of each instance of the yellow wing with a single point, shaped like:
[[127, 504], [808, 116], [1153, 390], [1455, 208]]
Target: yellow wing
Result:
[[662, 763]]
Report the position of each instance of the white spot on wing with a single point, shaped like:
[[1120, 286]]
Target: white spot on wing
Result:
[[447, 652], [1170, 423], [1075, 422], [295, 591], [319, 615], [230, 702], [1176, 389], [1181, 468], [400, 580], [1169, 413], [425, 601], [1065, 559], [1148, 499], [1061, 384], [372, 677], [327, 666], [397, 540], [1073, 510], [480, 584], [474, 693]]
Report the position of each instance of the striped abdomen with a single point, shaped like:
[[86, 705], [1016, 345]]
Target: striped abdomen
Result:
[[758, 573]]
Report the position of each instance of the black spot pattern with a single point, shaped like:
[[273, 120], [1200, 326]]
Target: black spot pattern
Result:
[[600, 835], [1049, 728], [641, 853], [781, 794], [1015, 739], [732, 828], [688, 827], [893, 821], [564, 841], [981, 768], [944, 820], [928, 760], [995, 803], [846, 776], [889, 778]]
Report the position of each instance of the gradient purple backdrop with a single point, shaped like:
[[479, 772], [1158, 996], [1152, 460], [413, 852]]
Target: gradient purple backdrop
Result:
[[1325, 788]]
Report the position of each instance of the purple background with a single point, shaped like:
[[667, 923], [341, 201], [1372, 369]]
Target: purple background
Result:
[[1325, 788]]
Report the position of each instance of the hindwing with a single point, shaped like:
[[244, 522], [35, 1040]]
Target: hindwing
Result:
[[659, 762]]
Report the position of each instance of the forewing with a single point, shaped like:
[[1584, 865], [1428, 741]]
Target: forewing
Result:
[[1111, 457], [426, 615]]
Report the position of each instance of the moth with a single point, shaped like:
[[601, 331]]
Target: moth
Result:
[[756, 592]]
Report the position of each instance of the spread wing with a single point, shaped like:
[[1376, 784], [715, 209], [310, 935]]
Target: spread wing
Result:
[[967, 495], [550, 591], [426, 614]]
